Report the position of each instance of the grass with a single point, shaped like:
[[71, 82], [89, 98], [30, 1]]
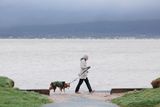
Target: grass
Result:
[[6, 82], [145, 98], [10, 97], [158, 78]]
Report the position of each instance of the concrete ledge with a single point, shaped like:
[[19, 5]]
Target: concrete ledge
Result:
[[40, 91], [122, 90]]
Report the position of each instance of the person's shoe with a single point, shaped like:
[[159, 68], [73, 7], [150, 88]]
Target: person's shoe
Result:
[[77, 92], [92, 91]]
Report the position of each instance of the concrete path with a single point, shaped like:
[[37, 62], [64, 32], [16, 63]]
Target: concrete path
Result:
[[80, 100]]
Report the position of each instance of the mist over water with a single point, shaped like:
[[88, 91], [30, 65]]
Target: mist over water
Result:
[[79, 19]]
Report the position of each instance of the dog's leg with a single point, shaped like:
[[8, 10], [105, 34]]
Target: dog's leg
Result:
[[54, 89]]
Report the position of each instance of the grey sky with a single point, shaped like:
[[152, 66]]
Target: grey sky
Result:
[[33, 12]]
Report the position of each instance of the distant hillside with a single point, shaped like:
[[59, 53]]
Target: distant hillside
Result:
[[101, 29]]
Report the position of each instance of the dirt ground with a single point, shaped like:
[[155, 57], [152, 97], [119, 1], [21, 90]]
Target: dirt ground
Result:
[[85, 99], [103, 96]]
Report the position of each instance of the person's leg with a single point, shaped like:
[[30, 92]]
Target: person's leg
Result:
[[88, 85], [79, 84]]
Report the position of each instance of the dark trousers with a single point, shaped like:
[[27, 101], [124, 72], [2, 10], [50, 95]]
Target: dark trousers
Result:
[[80, 83]]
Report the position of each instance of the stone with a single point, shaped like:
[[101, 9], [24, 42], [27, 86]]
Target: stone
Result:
[[156, 83]]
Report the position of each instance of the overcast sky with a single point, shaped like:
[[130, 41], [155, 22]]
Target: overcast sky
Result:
[[39, 12]]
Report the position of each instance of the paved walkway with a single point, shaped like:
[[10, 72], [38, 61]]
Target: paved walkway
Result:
[[73, 100]]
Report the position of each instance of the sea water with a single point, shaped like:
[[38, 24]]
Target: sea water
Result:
[[115, 63]]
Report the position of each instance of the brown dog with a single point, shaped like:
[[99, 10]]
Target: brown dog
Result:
[[60, 84]]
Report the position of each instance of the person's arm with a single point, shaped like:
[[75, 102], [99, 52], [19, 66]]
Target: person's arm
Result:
[[83, 65]]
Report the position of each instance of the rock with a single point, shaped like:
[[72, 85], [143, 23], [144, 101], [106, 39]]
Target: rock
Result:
[[156, 83], [6, 82]]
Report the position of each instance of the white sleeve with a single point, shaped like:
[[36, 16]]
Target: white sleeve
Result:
[[83, 64]]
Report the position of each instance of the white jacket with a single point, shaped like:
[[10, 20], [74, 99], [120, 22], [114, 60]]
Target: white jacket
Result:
[[83, 67]]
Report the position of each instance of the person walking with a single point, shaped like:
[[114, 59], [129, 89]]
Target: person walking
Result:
[[83, 75]]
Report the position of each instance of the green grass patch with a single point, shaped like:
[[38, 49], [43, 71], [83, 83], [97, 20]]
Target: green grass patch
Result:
[[158, 78], [6, 82], [145, 98], [10, 97], [15, 98]]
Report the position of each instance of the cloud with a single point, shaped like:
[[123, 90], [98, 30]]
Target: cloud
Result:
[[21, 12]]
